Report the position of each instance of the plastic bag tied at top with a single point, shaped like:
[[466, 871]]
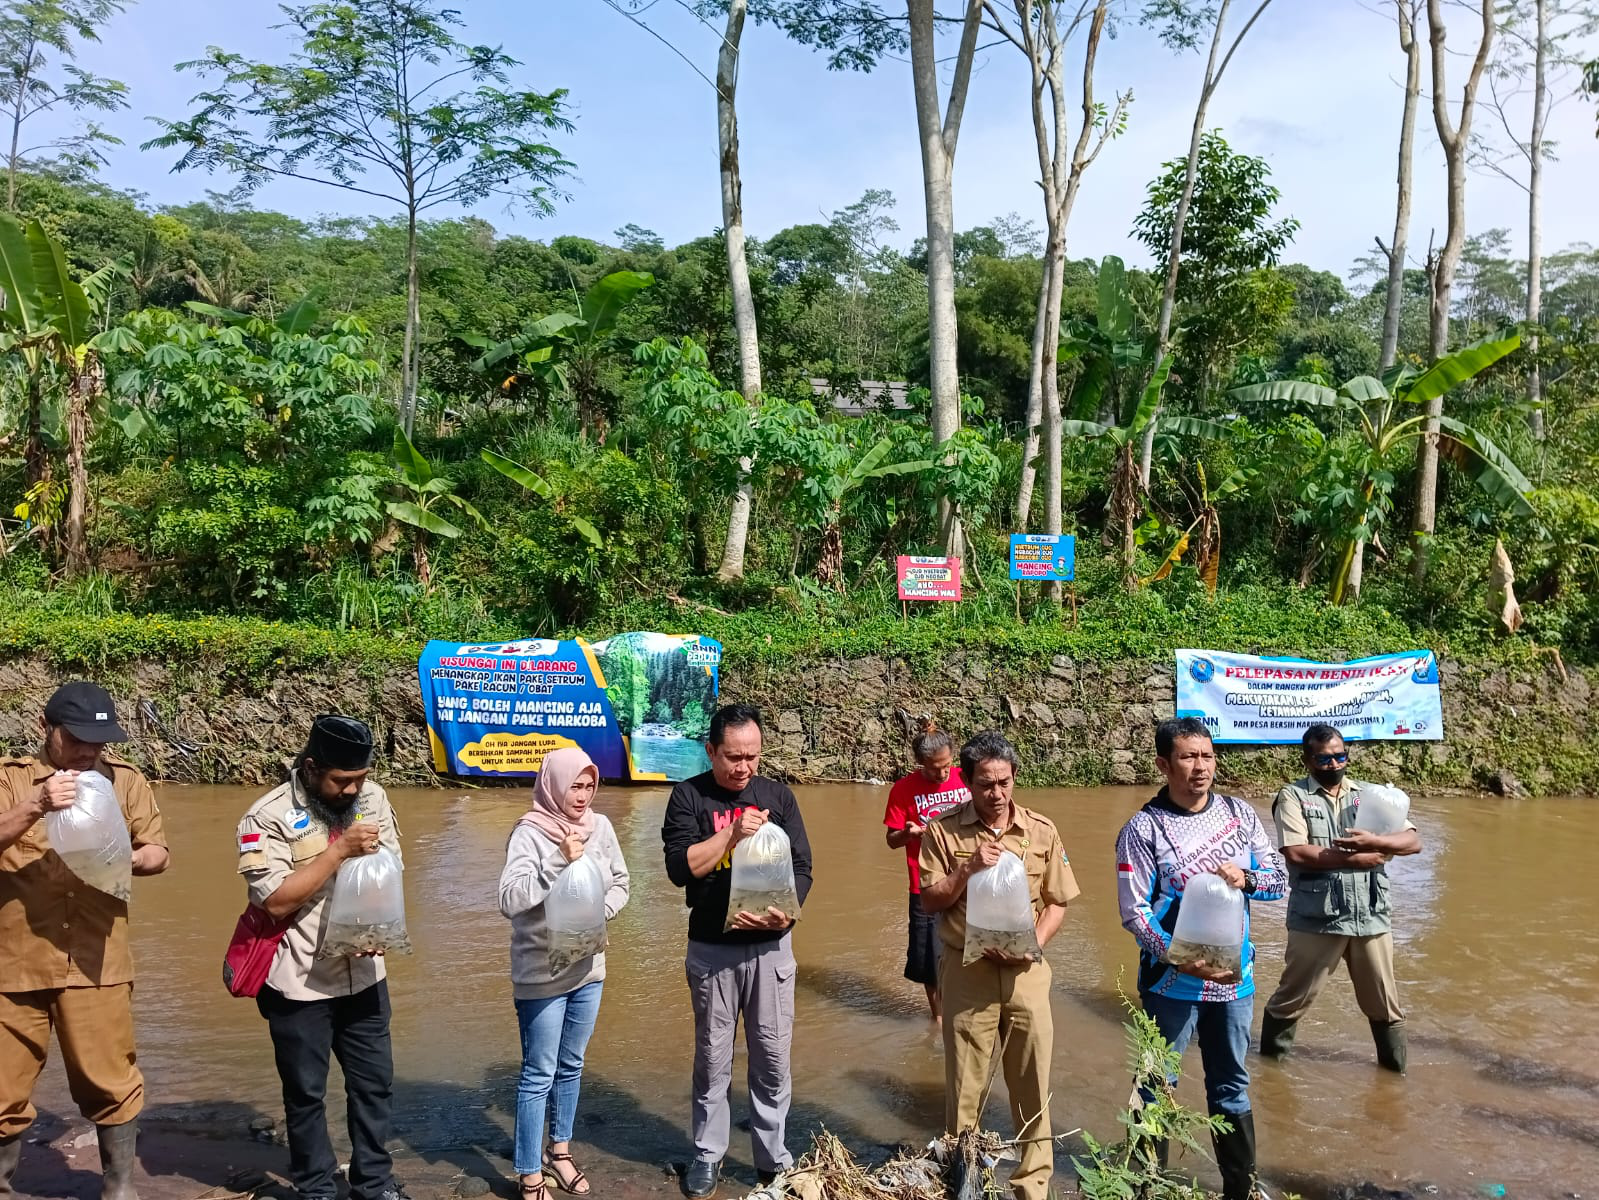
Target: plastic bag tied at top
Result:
[[999, 912], [763, 875], [92, 838], [574, 915], [1210, 925], [367, 911]]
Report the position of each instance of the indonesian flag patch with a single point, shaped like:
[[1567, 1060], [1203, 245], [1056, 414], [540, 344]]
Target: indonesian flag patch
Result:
[[249, 842]]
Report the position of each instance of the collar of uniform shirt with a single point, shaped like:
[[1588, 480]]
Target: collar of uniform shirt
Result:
[[1350, 788], [970, 816]]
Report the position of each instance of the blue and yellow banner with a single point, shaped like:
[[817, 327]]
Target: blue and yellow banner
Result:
[[640, 704]]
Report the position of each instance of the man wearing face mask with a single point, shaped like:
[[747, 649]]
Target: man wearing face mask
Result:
[[1338, 909], [291, 845]]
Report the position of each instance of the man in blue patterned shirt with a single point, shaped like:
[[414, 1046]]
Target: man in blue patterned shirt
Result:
[[1186, 831]]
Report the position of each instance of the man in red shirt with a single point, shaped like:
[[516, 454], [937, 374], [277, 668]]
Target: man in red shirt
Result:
[[921, 797]]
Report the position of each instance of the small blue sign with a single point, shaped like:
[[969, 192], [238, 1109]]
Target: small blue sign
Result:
[[1043, 557]]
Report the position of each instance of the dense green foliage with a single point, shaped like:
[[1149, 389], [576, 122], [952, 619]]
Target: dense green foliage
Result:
[[243, 456], [209, 429]]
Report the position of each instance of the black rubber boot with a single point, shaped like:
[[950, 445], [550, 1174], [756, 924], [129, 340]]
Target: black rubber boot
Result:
[[1276, 1035], [1393, 1053], [117, 1144], [1235, 1155], [10, 1152]]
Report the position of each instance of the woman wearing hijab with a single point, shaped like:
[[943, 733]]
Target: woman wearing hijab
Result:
[[556, 1012]]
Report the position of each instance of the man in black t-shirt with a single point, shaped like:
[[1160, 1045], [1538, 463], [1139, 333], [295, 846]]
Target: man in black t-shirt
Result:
[[748, 969]]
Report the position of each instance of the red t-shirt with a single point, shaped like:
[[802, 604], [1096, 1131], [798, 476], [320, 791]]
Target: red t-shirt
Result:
[[914, 796]]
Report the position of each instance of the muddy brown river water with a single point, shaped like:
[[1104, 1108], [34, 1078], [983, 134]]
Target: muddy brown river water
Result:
[[1496, 959]]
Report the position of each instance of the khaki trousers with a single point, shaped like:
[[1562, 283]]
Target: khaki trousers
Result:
[[1310, 960], [94, 1026], [985, 1004]]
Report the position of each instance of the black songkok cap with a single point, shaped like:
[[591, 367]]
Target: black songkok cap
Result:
[[340, 743]]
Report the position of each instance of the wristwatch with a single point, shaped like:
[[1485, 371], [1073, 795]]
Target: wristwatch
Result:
[[1249, 881]]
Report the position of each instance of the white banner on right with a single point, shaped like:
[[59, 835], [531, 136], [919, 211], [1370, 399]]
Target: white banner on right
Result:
[[1248, 700]]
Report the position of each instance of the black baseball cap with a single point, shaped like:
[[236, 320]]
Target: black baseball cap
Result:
[[86, 711]]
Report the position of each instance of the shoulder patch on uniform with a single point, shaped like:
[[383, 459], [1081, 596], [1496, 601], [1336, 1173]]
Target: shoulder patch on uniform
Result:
[[297, 819]]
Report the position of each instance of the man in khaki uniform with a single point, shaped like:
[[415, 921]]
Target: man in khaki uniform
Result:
[[1338, 908], [291, 843], [997, 998], [64, 960]]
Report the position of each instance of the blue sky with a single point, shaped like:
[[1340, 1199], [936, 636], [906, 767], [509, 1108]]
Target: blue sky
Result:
[[1315, 91]]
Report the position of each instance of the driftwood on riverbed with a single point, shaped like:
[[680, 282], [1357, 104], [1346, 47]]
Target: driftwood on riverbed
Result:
[[951, 1168]]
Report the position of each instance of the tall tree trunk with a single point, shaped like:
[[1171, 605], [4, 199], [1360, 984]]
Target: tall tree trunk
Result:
[[1393, 306], [738, 276], [939, 129], [1535, 153], [1456, 142], [413, 328], [21, 83], [1408, 14], [1055, 259], [1214, 71], [77, 477], [1035, 410]]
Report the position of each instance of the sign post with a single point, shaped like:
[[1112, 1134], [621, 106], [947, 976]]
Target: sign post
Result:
[[923, 578], [1044, 558]]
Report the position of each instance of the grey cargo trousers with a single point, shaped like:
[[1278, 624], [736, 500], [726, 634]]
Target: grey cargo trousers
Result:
[[757, 981]]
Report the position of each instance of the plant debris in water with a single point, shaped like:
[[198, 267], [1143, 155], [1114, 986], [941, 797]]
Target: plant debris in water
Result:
[[784, 900], [1013, 943], [951, 1168], [1222, 958], [351, 941], [568, 946]]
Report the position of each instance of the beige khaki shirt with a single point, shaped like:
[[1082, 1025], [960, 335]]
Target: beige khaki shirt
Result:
[[55, 930], [279, 835], [1031, 837], [1305, 800]]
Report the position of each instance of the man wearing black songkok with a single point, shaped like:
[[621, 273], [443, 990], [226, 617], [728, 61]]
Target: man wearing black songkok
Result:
[[291, 844]]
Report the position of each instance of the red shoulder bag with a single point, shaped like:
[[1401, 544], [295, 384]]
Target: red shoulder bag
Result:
[[250, 953]]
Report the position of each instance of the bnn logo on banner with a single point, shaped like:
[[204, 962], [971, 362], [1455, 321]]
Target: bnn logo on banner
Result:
[[640, 704], [1249, 700]]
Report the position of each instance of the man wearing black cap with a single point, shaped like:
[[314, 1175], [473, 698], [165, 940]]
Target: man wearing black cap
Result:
[[291, 844], [64, 960]]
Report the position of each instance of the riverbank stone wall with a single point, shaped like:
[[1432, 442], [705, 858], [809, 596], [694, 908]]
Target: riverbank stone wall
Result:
[[1517, 729]]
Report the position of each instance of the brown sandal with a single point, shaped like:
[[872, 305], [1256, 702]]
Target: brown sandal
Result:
[[571, 1189], [536, 1190]]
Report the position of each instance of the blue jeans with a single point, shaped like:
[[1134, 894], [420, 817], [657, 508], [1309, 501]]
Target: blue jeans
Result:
[[555, 1033], [1223, 1027]]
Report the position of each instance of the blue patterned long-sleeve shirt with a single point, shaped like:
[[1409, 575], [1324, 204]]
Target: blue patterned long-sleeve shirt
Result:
[[1158, 851]]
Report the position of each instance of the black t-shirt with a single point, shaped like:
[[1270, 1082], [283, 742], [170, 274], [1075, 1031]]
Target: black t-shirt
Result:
[[700, 807]]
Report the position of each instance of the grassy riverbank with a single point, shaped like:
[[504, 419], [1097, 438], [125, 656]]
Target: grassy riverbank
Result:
[[79, 630]]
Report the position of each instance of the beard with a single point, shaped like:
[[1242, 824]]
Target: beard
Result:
[[335, 814], [1330, 777]]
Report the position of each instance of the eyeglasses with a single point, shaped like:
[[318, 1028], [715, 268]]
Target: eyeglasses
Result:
[[1332, 760]]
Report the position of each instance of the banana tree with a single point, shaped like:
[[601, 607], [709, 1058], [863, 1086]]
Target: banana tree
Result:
[[1126, 492], [424, 494], [541, 487], [1392, 418], [1108, 350], [564, 352], [829, 460], [1203, 534], [46, 325]]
